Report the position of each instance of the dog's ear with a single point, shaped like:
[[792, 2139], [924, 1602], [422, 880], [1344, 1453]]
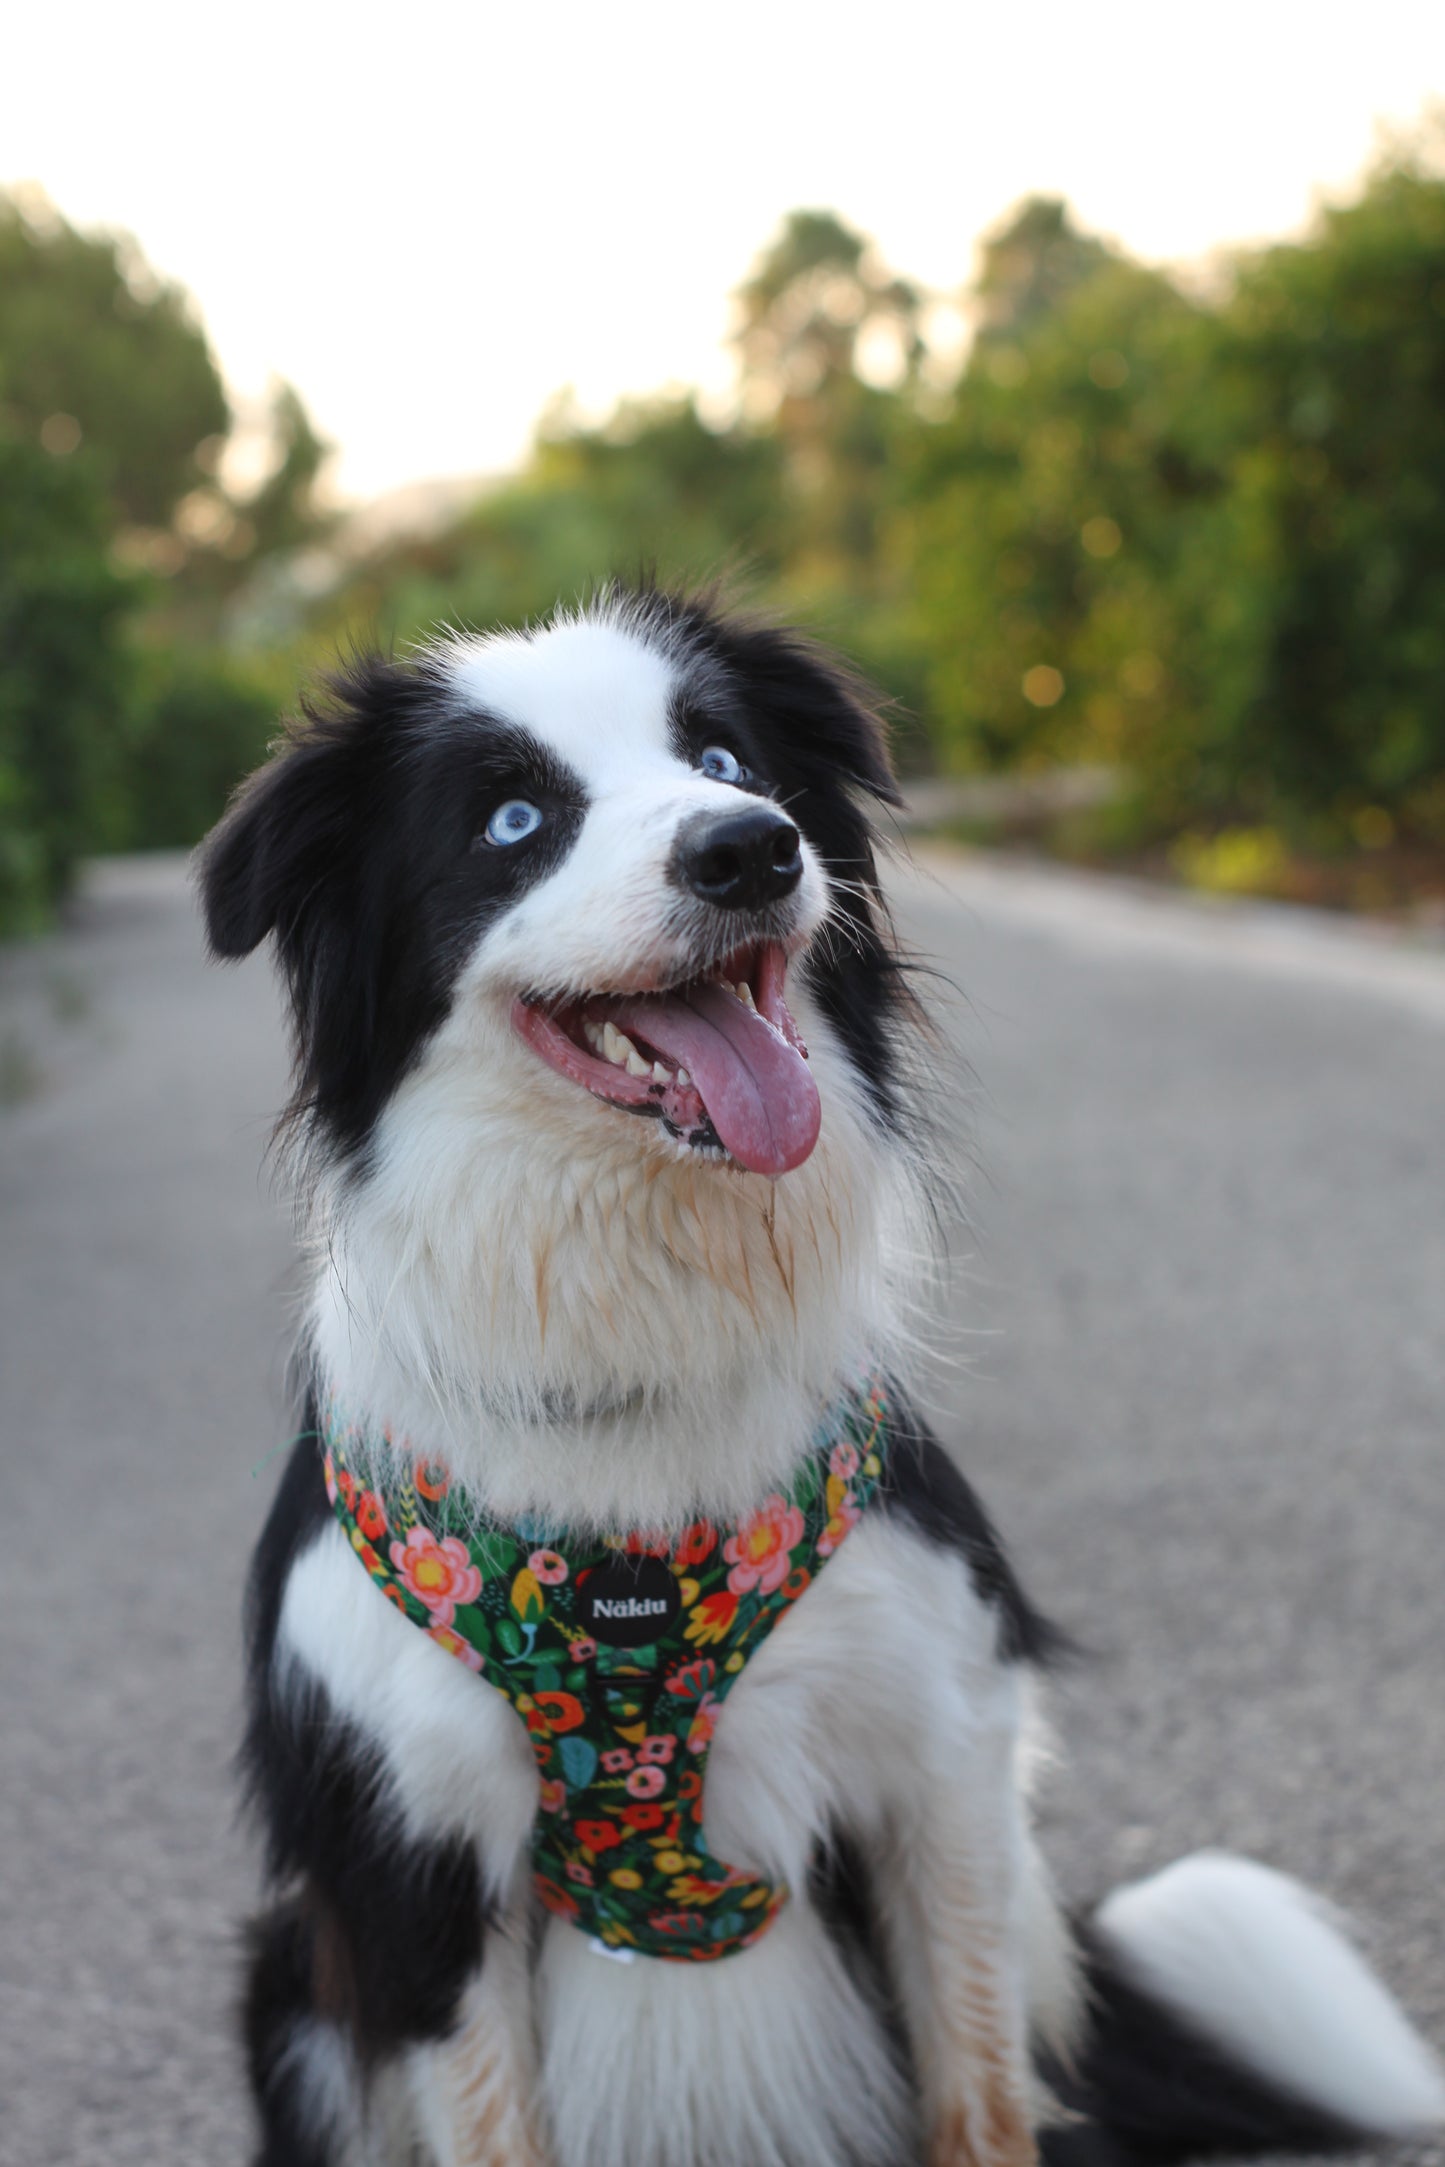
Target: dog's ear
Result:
[[811, 702], [294, 831], [269, 849]]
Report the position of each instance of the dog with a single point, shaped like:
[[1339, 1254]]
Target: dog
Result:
[[641, 1704]]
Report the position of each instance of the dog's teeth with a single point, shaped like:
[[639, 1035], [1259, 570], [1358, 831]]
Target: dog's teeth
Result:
[[684, 1081], [661, 1074], [745, 995], [636, 1066], [592, 1032], [616, 1045]]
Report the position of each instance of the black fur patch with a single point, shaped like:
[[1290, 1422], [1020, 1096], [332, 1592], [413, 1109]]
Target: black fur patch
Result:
[[1152, 2092], [360, 848], [923, 1484], [278, 2001], [395, 1928]]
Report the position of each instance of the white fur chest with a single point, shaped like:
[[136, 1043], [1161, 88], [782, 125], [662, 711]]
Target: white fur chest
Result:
[[827, 1730]]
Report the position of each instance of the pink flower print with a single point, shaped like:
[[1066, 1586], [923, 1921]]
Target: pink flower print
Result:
[[583, 1650], [615, 1761], [843, 1460], [439, 1574], [657, 1751], [554, 1795], [452, 1641], [761, 1551], [646, 1783], [550, 1569], [580, 1874], [704, 1723]]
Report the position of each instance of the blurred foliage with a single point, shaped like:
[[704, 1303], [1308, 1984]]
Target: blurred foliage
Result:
[[201, 722], [1191, 533], [123, 556], [96, 351], [64, 676], [1204, 539]]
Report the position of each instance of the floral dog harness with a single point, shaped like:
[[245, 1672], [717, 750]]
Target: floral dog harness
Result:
[[618, 1655]]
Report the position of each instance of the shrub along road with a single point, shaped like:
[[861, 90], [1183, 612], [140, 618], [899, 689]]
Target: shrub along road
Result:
[[1198, 1317]]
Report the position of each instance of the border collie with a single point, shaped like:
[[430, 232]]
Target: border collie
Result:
[[607, 1118]]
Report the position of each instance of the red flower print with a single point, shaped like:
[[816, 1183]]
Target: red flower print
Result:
[[712, 1619], [432, 1480], [698, 1541], [796, 1582], [549, 1568], [563, 1711], [646, 1783], [704, 1723], [393, 1594], [647, 1543], [346, 1484], [598, 1835], [689, 1784], [657, 1751], [554, 1796], [693, 1680], [644, 1817], [555, 1897], [694, 1889], [439, 1574], [370, 1560], [675, 1922], [369, 1516], [761, 1551], [616, 1759]]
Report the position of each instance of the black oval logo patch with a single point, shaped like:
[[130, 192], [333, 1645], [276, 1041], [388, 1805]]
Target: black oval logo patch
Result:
[[628, 1601]]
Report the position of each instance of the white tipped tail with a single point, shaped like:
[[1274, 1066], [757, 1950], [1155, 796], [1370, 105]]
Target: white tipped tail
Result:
[[1260, 1966]]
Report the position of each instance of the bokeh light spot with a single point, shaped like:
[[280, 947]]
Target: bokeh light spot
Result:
[[60, 434], [1043, 685], [1101, 537]]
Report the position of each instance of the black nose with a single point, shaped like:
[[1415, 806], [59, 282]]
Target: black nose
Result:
[[738, 860]]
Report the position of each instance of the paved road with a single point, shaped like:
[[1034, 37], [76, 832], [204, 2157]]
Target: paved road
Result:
[[1199, 1316]]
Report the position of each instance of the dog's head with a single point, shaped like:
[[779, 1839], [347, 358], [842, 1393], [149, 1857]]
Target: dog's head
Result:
[[620, 839], [596, 1012]]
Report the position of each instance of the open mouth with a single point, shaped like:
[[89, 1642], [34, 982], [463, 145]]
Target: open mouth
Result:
[[717, 1060]]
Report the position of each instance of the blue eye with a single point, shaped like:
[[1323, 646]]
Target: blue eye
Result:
[[721, 766], [513, 822]]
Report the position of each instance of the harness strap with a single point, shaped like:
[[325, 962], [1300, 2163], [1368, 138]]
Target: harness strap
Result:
[[617, 1655]]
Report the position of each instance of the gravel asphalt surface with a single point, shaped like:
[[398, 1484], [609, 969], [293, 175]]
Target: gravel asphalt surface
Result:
[[1195, 1363]]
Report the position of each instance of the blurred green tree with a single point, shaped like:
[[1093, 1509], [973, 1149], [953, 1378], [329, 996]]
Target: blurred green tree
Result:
[[96, 351], [1044, 516], [65, 677], [1328, 629], [1030, 265]]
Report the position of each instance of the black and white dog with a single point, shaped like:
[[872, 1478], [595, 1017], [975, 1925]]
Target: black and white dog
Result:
[[608, 1129]]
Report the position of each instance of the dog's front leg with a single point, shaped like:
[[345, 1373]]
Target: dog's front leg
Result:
[[480, 2083], [955, 1914]]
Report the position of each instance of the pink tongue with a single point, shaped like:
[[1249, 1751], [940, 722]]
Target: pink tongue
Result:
[[757, 1088]]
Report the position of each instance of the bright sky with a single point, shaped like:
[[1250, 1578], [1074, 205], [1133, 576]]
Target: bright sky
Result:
[[431, 217]]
